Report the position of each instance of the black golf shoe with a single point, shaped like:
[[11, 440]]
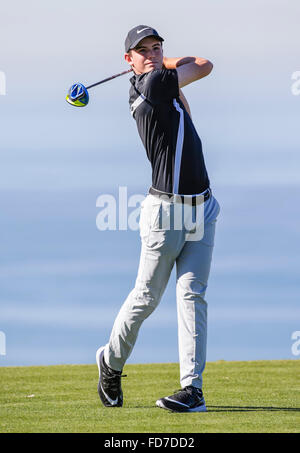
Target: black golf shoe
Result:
[[109, 385], [189, 399]]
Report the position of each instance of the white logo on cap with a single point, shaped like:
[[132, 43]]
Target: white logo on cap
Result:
[[140, 31]]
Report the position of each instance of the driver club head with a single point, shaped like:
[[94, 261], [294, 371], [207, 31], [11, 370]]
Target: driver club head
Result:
[[78, 95]]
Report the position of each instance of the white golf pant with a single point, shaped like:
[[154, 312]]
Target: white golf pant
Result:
[[162, 246]]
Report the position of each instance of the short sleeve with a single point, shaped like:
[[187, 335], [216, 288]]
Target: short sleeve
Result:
[[161, 85]]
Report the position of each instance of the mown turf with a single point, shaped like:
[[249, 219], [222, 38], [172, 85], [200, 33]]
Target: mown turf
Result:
[[258, 396]]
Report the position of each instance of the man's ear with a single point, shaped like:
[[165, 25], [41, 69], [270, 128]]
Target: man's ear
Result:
[[128, 58]]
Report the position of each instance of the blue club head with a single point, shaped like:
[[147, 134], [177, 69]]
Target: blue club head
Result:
[[78, 95]]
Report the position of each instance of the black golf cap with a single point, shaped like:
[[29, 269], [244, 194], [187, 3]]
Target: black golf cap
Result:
[[136, 34]]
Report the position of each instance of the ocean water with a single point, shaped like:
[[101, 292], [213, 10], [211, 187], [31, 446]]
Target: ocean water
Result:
[[62, 281]]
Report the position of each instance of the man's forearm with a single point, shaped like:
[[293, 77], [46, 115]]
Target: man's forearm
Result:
[[173, 63], [189, 68]]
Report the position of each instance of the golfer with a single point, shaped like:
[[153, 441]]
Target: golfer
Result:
[[179, 179]]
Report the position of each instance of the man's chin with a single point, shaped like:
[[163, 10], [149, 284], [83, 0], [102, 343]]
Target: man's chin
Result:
[[152, 67]]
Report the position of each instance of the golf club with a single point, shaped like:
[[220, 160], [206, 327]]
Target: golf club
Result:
[[78, 94]]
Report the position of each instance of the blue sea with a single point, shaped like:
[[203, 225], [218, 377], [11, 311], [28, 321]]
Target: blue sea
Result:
[[62, 281]]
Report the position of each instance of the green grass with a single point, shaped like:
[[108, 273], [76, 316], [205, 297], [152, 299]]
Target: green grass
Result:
[[258, 396]]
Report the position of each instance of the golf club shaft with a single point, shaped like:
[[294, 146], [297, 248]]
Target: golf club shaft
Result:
[[109, 78]]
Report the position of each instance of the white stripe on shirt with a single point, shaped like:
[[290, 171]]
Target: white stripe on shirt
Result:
[[136, 103], [179, 146]]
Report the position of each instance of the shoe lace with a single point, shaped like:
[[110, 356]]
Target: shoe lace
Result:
[[116, 376], [188, 389], [176, 392], [115, 380]]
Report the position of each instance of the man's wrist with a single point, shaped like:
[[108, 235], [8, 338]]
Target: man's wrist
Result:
[[169, 63]]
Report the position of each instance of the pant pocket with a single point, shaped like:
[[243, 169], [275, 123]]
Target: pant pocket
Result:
[[148, 217]]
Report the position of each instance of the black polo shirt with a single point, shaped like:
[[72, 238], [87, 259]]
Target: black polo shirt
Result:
[[171, 141]]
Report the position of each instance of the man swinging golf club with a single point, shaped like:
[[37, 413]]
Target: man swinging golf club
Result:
[[174, 150]]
